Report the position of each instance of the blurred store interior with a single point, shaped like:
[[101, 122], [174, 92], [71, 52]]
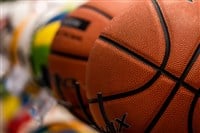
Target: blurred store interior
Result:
[[25, 105]]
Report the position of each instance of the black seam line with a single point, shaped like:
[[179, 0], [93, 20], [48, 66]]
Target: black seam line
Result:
[[175, 89], [166, 34], [178, 83], [135, 55], [58, 88], [191, 112], [82, 106], [163, 64], [76, 57], [97, 10]]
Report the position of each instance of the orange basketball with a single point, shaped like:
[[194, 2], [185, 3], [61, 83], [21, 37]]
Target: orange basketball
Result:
[[70, 51], [143, 73]]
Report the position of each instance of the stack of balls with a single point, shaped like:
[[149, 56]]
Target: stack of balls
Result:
[[120, 66], [70, 51], [142, 74]]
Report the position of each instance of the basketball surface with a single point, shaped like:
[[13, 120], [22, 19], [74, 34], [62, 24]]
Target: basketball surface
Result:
[[70, 51], [143, 73]]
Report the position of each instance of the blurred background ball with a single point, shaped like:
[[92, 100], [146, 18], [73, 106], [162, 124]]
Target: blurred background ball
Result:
[[70, 51], [42, 40]]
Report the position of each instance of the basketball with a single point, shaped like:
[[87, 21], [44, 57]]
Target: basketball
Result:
[[70, 51], [143, 72]]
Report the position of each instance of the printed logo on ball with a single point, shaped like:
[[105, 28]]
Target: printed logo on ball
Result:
[[75, 22]]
